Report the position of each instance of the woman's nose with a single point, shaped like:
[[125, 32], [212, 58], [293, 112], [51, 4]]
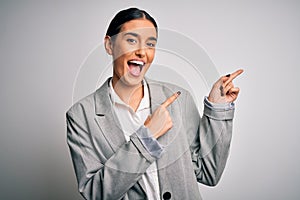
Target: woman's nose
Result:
[[140, 52]]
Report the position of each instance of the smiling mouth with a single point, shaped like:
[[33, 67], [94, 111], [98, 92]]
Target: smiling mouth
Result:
[[135, 67]]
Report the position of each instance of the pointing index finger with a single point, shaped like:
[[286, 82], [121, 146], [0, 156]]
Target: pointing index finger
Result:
[[234, 75], [171, 99]]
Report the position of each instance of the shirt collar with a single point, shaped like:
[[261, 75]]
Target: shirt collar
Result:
[[144, 104]]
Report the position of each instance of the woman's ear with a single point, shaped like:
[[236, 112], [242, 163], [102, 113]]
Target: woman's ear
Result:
[[108, 45]]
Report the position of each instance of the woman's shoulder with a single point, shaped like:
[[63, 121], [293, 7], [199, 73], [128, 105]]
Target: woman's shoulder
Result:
[[88, 102], [166, 86], [82, 104]]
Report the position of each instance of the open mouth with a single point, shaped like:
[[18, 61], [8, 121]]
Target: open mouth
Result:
[[135, 67]]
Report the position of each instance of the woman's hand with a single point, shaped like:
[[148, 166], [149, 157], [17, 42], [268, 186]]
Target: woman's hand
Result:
[[223, 91], [160, 121]]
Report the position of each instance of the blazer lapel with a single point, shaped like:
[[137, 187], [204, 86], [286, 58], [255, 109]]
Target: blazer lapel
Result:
[[174, 145], [157, 97], [107, 119]]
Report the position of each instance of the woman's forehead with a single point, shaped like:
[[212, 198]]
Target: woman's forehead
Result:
[[139, 26]]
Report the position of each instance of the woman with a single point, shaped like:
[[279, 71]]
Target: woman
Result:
[[136, 138]]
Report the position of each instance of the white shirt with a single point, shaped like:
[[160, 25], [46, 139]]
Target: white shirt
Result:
[[130, 122]]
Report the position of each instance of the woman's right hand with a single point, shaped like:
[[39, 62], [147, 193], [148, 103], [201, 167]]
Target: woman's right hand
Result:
[[160, 121]]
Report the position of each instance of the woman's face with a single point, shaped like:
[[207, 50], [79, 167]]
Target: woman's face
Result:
[[133, 51]]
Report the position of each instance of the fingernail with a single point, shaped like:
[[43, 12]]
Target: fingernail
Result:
[[221, 90], [228, 75], [178, 93]]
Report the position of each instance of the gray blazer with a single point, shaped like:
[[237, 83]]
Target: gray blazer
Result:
[[109, 168]]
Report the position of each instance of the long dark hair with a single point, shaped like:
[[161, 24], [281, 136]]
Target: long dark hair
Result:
[[124, 16]]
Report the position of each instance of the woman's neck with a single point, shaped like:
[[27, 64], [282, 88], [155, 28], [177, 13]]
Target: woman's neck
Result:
[[131, 95]]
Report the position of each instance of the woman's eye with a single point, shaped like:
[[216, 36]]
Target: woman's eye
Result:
[[150, 44], [132, 41]]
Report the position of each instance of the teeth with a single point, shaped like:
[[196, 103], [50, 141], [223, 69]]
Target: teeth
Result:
[[137, 62]]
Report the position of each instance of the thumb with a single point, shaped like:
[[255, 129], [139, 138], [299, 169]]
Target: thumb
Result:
[[147, 121]]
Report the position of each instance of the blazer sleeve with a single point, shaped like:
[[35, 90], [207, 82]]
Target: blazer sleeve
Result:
[[209, 139], [110, 179]]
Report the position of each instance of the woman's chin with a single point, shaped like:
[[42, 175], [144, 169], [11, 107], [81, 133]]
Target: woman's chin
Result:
[[131, 80]]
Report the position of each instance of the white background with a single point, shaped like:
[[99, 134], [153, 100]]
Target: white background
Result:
[[42, 45]]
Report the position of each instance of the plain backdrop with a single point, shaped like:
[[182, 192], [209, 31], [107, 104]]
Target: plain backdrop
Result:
[[44, 43]]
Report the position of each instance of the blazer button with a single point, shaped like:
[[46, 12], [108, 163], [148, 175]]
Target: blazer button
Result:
[[167, 196]]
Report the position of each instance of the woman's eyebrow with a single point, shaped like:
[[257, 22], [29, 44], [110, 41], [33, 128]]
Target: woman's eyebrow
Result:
[[137, 35], [132, 34], [152, 38]]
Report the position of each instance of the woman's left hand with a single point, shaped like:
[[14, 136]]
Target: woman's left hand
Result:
[[223, 91]]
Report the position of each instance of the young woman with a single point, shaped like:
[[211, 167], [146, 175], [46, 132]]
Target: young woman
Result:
[[136, 138]]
